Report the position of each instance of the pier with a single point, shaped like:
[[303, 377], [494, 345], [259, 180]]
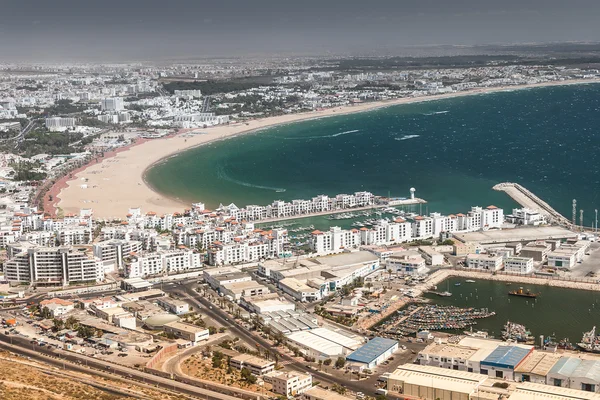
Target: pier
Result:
[[529, 200]]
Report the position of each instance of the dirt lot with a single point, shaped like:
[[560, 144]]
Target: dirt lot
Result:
[[22, 379]]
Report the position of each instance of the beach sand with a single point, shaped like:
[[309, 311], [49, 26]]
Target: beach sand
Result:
[[115, 183]]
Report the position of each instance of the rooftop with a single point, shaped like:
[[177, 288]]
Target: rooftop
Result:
[[506, 356], [372, 350], [184, 327], [528, 391], [538, 363], [253, 360], [515, 235]]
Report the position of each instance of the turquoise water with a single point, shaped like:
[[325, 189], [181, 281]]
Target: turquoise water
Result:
[[452, 151]]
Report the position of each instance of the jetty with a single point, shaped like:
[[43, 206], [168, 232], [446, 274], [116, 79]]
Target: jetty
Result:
[[529, 200]]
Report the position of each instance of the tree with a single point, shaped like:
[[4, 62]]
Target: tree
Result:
[[217, 359], [71, 323], [389, 271], [45, 313], [380, 397], [247, 376], [58, 324], [327, 362], [320, 364], [222, 329], [212, 330], [340, 389], [340, 362]]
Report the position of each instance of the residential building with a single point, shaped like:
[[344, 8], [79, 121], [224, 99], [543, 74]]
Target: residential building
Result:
[[112, 104], [288, 383], [47, 266], [258, 366], [57, 307]]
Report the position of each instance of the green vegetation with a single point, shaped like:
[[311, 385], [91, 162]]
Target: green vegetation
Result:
[[38, 142], [217, 359], [210, 87], [26, 171], [247, 376], [502, 385], [340, 362], [62, 107]]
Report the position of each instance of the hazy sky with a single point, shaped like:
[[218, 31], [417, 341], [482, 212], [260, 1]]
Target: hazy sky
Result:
[[150, 29]]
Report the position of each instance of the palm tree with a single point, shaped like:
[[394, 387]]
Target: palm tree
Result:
[[71, 323], [389, 271]]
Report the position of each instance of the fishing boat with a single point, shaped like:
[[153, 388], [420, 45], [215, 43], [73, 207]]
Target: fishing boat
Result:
[[517, 332], [523, 293], [457, 284], [590, 342], [470, 281], [445, 294]]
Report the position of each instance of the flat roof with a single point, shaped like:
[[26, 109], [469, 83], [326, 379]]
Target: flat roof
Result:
[[440, 378], [538, 363], [238, 287], [323, 340], [449, 350], [320, 393], [372, 350], [347, 259], [516, 235], [528, 391], [506, 356], [253, 360], [295, 284], [182, 326]]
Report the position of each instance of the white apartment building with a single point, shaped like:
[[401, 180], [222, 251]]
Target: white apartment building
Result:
[[167, 262], [288, 383], [563, 258], [526, 216], [519, 265], [112, 104], [483, 261], [114, 251], [334, 241], [36, 265], [58, 124]]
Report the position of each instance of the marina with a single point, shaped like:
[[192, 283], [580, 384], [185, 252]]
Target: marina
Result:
[[414, 319], [548, 314]]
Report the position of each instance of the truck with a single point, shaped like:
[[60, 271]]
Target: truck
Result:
[[381, 391]]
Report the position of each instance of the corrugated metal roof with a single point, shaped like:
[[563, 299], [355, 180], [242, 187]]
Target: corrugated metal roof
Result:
[[588, 369], [370, 351], [565, 366], [506, 356]]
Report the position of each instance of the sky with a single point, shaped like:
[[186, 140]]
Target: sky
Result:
[[152, 30]]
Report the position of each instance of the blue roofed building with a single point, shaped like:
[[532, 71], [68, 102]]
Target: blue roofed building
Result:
[[501, 362], [373, 353]]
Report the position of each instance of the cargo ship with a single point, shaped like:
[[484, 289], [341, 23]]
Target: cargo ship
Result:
[[523, 293]]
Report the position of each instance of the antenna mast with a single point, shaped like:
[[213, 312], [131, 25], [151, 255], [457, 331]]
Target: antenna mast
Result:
[[574, 216]]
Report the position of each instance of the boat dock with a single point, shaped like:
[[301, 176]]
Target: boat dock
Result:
[[396, 203], [529, 200]]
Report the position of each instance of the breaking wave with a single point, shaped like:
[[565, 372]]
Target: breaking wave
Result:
[[222, 175]]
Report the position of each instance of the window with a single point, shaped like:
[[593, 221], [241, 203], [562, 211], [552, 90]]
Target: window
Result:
[[499, 374], [557, 382], [526, 378], [588, 387], [455, 367], [483, 371], [469, 369]]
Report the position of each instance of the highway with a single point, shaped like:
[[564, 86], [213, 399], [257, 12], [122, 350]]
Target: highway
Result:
[[76, 362]]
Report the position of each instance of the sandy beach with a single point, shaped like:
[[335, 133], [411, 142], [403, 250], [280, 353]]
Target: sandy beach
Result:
[[115, 183]]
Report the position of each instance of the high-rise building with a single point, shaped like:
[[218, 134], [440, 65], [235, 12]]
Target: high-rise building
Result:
[[112, 104], [57, 124]]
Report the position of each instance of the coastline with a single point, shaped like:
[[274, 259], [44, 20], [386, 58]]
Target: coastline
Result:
[[117, 182]]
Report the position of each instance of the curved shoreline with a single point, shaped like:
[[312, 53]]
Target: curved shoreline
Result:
[[128, 166]]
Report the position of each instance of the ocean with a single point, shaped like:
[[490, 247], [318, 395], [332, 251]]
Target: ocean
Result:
[[453, 151]]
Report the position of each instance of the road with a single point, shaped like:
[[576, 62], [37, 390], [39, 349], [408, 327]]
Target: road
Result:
[[70, 361], [207, 308]]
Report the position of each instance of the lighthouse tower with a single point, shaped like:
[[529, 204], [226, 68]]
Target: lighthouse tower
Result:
[[412, 193]]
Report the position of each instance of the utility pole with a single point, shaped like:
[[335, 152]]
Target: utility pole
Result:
[[581, 219], [574, 215], [596, 211]]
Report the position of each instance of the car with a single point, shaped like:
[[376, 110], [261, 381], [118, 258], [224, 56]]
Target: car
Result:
[[122, 354]]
